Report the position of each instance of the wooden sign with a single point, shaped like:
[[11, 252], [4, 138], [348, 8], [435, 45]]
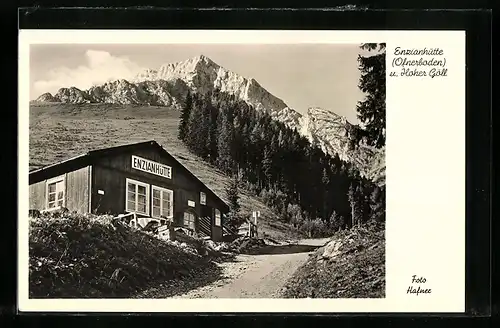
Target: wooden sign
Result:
[[255, 215], [148, 166], [162, 228]]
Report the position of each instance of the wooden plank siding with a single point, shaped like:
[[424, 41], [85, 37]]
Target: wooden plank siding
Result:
[[113, 183], [210, 208], [109, 174], [96, 182], [181, 198], [76, 192], [37, 196]]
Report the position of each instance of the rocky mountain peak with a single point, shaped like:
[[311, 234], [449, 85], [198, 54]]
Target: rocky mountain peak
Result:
[[204, 60], [47, 97], [146, 75], [72, 95], [168, 85], [318, 113], [203, 75]]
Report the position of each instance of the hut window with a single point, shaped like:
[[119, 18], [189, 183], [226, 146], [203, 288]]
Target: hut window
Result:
[[162, 202], [203, 198], [189, 220], [137, 197], [55, 193], [217, 218]]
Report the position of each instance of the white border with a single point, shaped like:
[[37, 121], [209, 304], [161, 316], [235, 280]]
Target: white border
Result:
[[425, 175]]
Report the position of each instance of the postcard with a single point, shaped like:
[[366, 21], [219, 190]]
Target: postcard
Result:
[[241, 171]]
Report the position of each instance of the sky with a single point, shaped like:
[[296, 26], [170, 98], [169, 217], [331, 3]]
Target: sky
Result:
[[302, 75]]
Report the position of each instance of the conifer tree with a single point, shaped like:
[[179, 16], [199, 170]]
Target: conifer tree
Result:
[[336, 221], [371, 110], [184, 118], [278, 163], [198, 128], [267, 166], [377, 204], [325, 179], [225, 140], [234, 219], [352, 202], [213, 134], [232, 194], [194, 117], [360, 205]]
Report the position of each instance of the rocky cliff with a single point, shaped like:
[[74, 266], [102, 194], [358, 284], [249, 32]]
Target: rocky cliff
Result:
[[167, 86]]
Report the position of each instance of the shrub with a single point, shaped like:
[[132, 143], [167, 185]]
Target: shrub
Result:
[[351, 265], [84, 256], [234, 220], [315, 228], [336, 222]]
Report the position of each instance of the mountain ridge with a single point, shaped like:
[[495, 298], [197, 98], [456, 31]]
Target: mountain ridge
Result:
[[168, 85]]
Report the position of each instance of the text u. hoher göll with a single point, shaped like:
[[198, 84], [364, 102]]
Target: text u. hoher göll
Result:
[[425, 62]]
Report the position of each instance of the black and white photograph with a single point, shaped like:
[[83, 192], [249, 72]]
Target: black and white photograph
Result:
[[207, 171], [252, 161]]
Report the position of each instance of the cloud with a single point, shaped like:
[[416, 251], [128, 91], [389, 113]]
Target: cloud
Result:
[[99, 67]]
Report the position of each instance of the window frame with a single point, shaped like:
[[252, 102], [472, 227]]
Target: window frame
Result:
[[215, 217], [161, 189], [48, 182], [148, 197], [203, 198], [184, 218]]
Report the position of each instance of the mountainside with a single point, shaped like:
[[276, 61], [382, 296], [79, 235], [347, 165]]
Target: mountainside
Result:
[[168, 85], [333, 134], [59, 131], [123, 92], [47, 98]]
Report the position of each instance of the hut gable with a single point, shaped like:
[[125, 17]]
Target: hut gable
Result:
[[148, 159]]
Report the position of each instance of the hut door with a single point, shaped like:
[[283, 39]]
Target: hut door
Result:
[[190, 220]]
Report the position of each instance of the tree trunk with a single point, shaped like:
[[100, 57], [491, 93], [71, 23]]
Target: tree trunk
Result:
[[353, 219]]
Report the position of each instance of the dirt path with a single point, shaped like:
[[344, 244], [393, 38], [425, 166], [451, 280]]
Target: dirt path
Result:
[[256, 276]]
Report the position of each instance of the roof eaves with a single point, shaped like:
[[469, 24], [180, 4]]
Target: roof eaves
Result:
[[120, 148], [59, 163], [92, 153]]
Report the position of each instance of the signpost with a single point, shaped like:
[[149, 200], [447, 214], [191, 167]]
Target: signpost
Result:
[[255, 215]]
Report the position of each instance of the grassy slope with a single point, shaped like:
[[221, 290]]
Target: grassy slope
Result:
[[87, 256], [61, 131], [353, 269]]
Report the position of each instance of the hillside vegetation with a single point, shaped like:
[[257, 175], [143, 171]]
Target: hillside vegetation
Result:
[[87, 256], [351, 265], [308, 188], [60, 131]]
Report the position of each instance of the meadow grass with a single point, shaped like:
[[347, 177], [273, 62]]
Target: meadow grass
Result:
[[61, 131], [87, 256]]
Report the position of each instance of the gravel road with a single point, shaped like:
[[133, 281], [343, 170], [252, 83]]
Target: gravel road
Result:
[[256, 276]]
